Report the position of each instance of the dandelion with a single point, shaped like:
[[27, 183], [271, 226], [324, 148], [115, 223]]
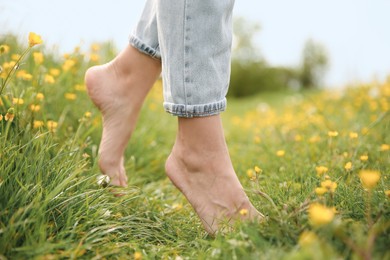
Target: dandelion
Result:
[[321, 191], [251, 174], [68, 64], [49, 79], [369, 178], [280, 153], [320, 215], [314, 139], [321, 170], [17, 101], [258, 170], [27, 76], [4, 49], [137, 256], [1, 117], [94, 57], [35, 108], [52, 125], [34, 39], [329, 185], [87, 114], [95, 47], [79, 87], [70, 96], [353, 135], [333, 133], [37, 124], [384, 147], [40, 96], [54, 72], [10, 115], [15, 56], [348, 166], [363, 158], [243, 212], [20, 74], [298, 138], [38, 57], [307, 238], [257, 140]]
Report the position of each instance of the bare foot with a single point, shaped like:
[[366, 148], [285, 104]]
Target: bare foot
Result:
[[118, 89], [205, 175]]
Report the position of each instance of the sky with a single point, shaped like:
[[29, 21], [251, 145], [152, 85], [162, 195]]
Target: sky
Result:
[[356, 33]]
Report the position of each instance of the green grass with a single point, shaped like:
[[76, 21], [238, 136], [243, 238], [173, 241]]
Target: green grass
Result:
[[51, 206]]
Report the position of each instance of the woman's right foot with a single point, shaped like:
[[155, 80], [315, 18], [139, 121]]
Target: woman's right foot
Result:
[[118, 90]]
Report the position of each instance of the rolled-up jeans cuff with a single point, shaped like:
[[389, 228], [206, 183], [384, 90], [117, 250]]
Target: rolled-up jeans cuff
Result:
[[143, 47], [201, 110]]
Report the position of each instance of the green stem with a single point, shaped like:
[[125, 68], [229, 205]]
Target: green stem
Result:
[[12, 71]]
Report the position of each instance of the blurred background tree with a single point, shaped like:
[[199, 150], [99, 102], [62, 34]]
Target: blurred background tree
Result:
[[252, 74]]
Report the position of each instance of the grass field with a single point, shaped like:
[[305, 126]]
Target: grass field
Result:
[[315, 163]]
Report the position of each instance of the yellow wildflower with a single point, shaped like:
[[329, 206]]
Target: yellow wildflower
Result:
[[333, 133], [37, 124], [17, 101], [38, 57], [298, 138], [15, 56], [79, 87], [95, 47], [320, 215], [314, 139], [52, 125], [251, 174], [369, 178], [68, 64], [387, 193], [321, 191], [94, 57], [10, 115], [353, 135], [257, 139], [34, 39], [49, 79], [1, 117], [137, 256], [280, 153], [348, 166], [258, 170], [87, 114], [4, 49], [20, 73], [365, 130], [70, 96], [40, 96], [329, 185], [364, 158], [35, 108], [54, 72], [384, 147], [321, 170], [307, 238], [243, 212], [27, 76]]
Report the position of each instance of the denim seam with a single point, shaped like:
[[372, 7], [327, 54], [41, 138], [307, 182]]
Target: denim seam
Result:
[[143, 47], [200, 110], [185, 53]]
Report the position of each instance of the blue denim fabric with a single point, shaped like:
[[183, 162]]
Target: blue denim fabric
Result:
[[193, 40]]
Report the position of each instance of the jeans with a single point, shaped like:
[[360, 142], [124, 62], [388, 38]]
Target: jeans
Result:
[[193, 40]]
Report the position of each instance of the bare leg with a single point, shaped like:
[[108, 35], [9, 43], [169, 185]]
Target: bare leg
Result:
[[200, 167], [118, 89]]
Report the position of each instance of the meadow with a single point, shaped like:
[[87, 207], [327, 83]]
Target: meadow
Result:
[[315, 163]]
